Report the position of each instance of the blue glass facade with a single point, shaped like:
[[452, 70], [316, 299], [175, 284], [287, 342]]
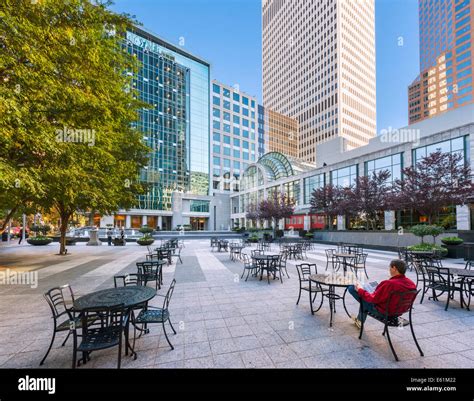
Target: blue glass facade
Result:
[[176, 85]]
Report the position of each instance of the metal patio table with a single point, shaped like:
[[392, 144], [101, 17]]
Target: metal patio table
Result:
[[332, 281], [264, 261], [129, 297], [344, 257]]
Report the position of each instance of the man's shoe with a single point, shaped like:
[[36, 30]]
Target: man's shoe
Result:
[[357, 322]]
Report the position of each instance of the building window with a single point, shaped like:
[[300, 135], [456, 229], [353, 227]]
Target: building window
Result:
[[456, 145], [216, 88], [310, 184], [199, 206], [394, 164], [344, 177]]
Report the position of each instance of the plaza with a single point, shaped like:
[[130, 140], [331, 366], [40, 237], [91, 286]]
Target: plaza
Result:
[[221, 320]]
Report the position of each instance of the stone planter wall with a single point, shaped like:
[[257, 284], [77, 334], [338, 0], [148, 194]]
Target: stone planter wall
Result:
[[377, 239]]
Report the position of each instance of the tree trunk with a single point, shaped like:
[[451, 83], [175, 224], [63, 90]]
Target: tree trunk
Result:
[[7, 219], [63, 228]]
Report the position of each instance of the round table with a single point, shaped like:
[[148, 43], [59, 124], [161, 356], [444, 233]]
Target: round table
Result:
[[264, 261], [344, 257], [129, 297], [332, 281]]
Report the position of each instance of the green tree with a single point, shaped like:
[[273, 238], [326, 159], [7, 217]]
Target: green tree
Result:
[[67, 107]]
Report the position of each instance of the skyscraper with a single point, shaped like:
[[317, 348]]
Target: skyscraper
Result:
[[175, 84], [446, 56], [319, 67]]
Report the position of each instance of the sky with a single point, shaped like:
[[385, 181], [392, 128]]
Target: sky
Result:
[[228, 34]]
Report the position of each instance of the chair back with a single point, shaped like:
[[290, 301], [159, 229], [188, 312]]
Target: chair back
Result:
[[102, 318], [283, 258], [57, 301], [469, 265], [149, 268], [127, 280], [256, 252], [168, 295], [405, 300], [246, 260], [305, 270]]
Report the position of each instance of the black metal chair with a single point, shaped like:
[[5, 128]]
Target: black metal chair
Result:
[[304, 271], [440, 281], [150, 271], [177, 254], [282, 262], [330, 258], [151, 314], [60, 310], [106, 332], [127, 280], [270, 266], [404, 304], [249, 266], [360, 264]]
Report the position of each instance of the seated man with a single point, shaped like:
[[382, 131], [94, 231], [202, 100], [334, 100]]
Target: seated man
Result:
[[376, 302]]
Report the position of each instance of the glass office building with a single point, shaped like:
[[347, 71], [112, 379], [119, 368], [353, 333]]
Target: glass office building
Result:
[[176, 85]]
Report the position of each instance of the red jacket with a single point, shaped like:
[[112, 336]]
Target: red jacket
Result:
[[381, 294]]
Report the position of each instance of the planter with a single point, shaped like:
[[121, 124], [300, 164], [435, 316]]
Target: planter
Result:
[[71, 241], [119, 242], [39, 241], [145, 242], [454, 251]]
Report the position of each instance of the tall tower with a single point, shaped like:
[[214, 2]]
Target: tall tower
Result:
[[446, 58], [319, 68]]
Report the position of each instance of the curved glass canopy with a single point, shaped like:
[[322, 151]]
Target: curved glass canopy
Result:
[[270, 167]]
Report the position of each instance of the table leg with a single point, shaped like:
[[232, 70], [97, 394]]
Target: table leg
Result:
[[344, 302], [331, 303]]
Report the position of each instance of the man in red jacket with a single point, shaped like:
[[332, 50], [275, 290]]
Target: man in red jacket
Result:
[[376, 302]]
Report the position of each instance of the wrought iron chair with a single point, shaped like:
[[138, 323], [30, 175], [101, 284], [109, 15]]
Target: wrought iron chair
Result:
[[304, 271], [177, 254], [282, 262], [270, 266], [359, 264], [330, 258], [63, 316], [404, 304], [249, 266], [152, 314], [150, 272], [106, 332], [127, 280]]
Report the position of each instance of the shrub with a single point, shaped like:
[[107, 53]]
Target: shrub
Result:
[[41, 229], [279, 233], [452, 241], [253, 238], [422, 230], [146, 230], [309, 235], [428, 248]]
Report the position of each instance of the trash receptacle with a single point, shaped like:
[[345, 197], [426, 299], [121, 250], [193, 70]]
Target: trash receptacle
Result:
[[5, 236]]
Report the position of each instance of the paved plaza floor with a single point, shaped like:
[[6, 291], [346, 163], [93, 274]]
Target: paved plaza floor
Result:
[[221, 320]]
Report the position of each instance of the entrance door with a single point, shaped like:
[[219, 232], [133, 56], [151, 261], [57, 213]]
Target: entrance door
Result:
[[197, 224]]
